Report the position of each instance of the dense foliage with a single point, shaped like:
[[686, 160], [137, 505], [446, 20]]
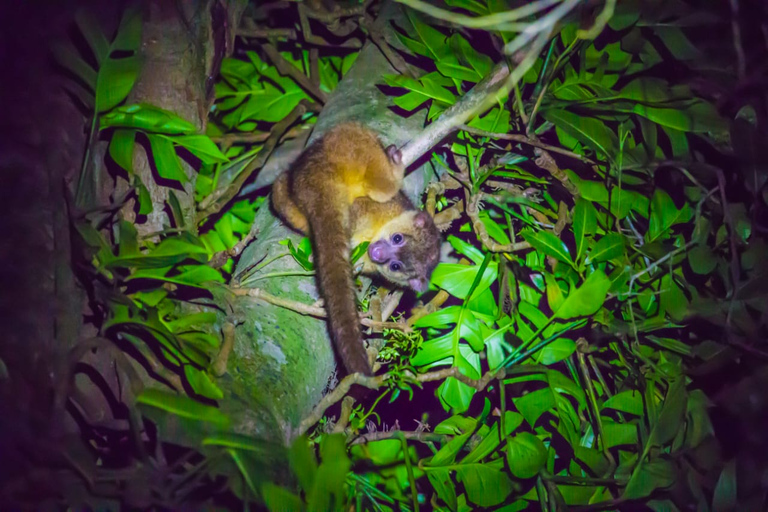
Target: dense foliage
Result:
[[603, 291]]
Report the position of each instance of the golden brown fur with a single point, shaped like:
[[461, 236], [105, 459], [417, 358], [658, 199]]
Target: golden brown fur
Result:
[[345, 189]]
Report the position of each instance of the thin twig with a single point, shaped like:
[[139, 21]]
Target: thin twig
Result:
[[376, 381], [424, 437], [473, 211], [339, 393], [311, 310], [219, 364]]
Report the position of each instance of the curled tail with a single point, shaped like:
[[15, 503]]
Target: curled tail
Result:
[[331, 240]]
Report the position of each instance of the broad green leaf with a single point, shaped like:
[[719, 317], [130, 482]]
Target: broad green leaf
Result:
[[676, 42], [279, 499], [621, 200], [526, 455], [702, 259], [559, 349], [446, 455], [457, 279], [187, 321], [549, 244], [303, 462], [199, 145], [664, 215], [147, 118], [328, 490], [555, 295], [434, 350], [586, 299], [630, 401], [700, 117], [725, 498], [241, 442], [441, 318], [672, 299], [433, 40], [672, 414], [588, 130], [455, 394], [166, 160], [201, 383], [121, 148], [145, 200], [485, 484], [619, 434], [428, 87], [468, 250], [648, 477], [456, 425], [441, 481], [534, 404], [584, 224], [115, 80], [67, 56], [496, 232], [607, 248], [182, 406]]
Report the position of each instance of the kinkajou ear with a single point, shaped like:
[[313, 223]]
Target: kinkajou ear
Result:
[[394, 154]]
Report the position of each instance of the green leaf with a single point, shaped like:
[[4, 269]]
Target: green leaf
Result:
[[67, 56], [534, 404], [607, 248], [587, 299], [303, 462], [584, 224], [559, 349], [702, 259], [619, 434], [486, 485], [468, 250], [664, 215], [672, 414], [147, 118], [725, 498], [555, 297], [526, 455], [201, 383], [432, 39], [166, 160], [457, 279], [115, 80], [427, 87], [588, 130], [328, 490], [121, 148], [93, 34], [549, 244], [145, 200], [648, 477], [443, 485], [455, 394], [199, 145], [182, 406], [630, 401], [279, 499]]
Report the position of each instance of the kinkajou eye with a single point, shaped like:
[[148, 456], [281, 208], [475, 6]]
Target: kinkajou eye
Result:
[[397, 239], [395, 266]]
